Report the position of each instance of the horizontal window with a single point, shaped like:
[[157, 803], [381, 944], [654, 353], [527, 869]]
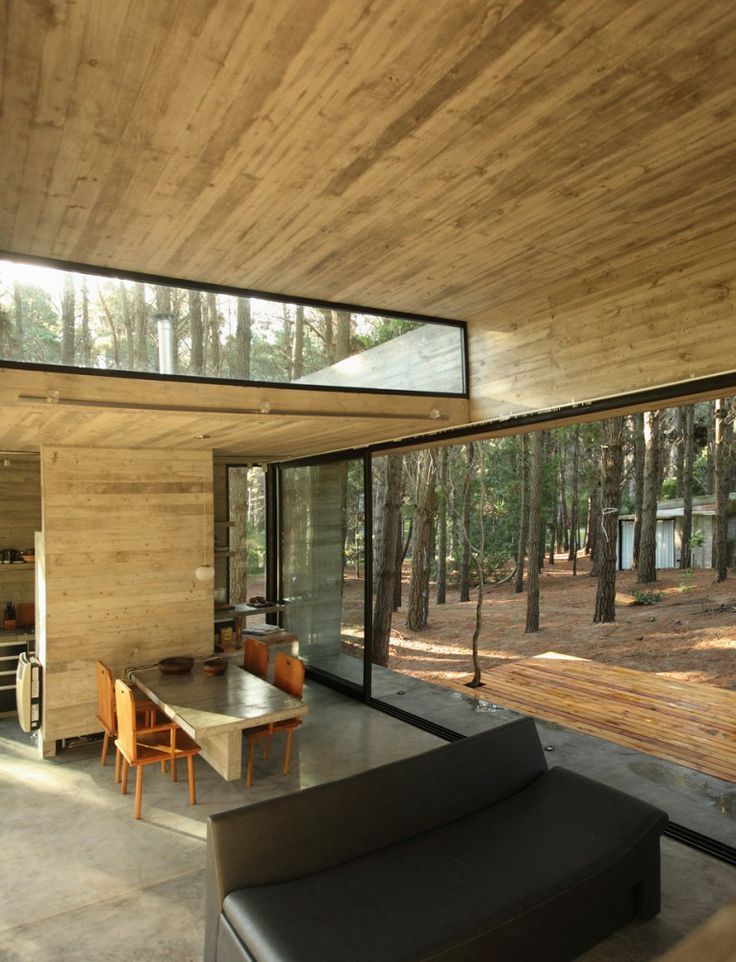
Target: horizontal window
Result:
[[50, 316]]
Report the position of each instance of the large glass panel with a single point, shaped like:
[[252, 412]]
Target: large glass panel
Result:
[[323, 548], [594, 560], [243, 538], [50, 316]]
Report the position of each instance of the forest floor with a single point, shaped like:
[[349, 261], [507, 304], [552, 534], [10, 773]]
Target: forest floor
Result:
[[689, 635]]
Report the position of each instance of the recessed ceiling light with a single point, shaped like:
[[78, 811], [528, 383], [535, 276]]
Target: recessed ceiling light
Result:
[[201, 437]]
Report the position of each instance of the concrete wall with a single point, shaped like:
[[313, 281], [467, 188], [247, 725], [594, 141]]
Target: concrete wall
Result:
[[124, 531]]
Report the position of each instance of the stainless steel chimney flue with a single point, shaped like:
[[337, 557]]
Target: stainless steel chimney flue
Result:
[[165, 326]]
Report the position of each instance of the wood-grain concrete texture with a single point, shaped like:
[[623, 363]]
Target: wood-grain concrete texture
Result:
[[89, 410], [124, 532], [559, 174]]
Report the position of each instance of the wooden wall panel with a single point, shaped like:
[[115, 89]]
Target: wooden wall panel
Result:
[[20, 518], [123, 531]]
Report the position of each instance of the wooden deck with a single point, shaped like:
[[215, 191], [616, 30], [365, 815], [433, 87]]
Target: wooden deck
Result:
[[690, 724]]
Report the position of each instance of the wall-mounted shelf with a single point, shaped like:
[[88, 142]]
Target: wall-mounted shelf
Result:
[[26, 566]]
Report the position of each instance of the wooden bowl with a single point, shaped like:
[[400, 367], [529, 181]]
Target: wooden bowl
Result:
[[179, 665], [215, 666]]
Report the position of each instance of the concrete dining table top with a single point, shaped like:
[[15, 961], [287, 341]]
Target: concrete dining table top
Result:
[[215, 709]]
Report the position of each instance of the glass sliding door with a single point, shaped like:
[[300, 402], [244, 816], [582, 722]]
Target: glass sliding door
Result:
[[323, 565]]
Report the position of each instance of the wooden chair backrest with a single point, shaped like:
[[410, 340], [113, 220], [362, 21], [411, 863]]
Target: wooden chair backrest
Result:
[[125, 705], [255, 657], [289, 675], [106, 697]]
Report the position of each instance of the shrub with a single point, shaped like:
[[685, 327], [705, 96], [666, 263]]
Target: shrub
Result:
[[647, 597]]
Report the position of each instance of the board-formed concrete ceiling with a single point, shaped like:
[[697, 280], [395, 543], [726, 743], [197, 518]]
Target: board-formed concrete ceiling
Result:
[[560, 174]]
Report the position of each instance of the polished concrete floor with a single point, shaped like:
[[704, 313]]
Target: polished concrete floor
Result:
[[82, 880]]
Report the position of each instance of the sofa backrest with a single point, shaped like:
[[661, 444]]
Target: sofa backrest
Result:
[[294, 835]]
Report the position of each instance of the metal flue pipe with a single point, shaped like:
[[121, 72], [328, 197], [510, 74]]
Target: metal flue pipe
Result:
[[165, 326]]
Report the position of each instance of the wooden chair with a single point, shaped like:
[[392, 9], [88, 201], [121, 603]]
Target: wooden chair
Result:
[[107, 716], [255, 657], [289, 677], [146, 745]]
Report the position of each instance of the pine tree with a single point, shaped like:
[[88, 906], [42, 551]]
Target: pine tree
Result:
[[612, 461], [535, 503]]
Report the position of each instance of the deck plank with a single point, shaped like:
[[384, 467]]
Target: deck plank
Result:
[[687, 723]]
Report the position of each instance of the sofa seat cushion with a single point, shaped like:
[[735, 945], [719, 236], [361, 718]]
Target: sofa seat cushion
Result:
[[417, 899]]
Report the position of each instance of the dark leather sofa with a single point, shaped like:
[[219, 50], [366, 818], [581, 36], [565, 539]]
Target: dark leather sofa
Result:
[[472, 851]]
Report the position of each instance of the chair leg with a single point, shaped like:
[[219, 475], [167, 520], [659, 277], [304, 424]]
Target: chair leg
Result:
[[117, 765], [287, 753], [174, 776], [105, 743], [190, 773], [138, 789], [124, 779]]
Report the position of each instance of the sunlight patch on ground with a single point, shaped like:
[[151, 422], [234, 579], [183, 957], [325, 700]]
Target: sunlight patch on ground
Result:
[[709, 644], [407, 645]]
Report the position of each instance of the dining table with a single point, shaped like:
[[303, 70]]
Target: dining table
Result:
[[215, 709]]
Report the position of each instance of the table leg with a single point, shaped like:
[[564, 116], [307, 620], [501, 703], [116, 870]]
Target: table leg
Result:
[[224, 753]]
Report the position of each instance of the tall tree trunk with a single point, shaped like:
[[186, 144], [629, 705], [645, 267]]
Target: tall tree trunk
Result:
[[681, 418], [238, 504], [465, 560], [612, 463], [127, 327], [479, 558], [402, 546], [244, 338], [523, 536], [141, 327], [68, 311], [563, 525], [329, 335], [20, 336], [647, 571], [342, 336], [593, 522], [163, 300], [386, 558], [720, 459], [114, 339], [214, 329], [687, 488], [535, 505], [575, 509], [551, 525], [710, 473], [418, 606], [442, 530], [86, 334], [637, 421], [196, 329], [298, 358]]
